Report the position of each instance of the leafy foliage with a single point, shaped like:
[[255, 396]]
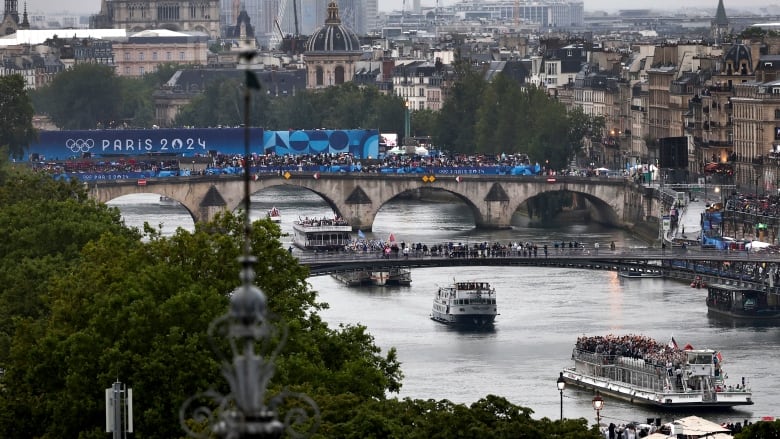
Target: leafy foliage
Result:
[[84, 97], [85, 302], [760, 430], [16, 112]]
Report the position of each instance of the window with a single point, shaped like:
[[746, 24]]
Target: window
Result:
[[154, 56], [422, 92], [168, 56], [127, 56], [141, 70], [181, 56]]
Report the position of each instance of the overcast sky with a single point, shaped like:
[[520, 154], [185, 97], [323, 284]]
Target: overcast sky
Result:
[[93, 6]]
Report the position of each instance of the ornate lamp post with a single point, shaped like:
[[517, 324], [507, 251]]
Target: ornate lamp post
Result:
[[598, 404], [244, 413], [561, 384]]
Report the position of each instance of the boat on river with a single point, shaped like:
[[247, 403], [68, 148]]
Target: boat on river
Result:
[[640, 273], [274, 215], [322, 234], [641, 371], [465, 304], [742, 303]]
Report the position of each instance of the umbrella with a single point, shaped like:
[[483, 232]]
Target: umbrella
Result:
[[602, 169]]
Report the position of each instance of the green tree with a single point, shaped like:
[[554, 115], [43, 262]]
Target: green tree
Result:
[[457, 121], [760, 430], [16, 112], [423, 122], [108, 305], [87, 96]]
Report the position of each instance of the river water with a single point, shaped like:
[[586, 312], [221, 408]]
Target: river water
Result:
[[542, 312]]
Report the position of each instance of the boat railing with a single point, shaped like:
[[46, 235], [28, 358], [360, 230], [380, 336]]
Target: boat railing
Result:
[[637, 364]]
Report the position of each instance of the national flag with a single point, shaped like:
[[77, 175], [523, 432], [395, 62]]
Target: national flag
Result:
[[361, 235], [391, 238], [673, 343], [719, 357]]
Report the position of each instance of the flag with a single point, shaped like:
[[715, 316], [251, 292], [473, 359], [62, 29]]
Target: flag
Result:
[[673, 343], [719, 357], [391, 238], [361, 235]]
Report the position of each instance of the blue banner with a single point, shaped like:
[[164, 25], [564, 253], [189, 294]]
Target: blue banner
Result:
[[361, 144], [189, 142], [181, 142]]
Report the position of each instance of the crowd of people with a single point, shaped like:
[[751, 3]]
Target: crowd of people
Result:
[[633, 346]]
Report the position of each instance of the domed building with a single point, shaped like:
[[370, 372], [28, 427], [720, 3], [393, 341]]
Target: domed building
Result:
[[331, 52]]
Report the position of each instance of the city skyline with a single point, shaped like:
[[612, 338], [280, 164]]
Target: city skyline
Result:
[[87, 7]]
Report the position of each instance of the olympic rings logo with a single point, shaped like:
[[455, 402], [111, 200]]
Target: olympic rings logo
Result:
[[80, 145]]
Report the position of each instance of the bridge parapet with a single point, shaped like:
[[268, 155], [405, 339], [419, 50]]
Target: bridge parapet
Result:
[[358, 197]]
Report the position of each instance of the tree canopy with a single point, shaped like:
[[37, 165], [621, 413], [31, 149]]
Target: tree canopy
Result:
[[86, 301], [16, 113]]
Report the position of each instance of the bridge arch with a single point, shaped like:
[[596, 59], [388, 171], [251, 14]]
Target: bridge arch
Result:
[[358, 197]]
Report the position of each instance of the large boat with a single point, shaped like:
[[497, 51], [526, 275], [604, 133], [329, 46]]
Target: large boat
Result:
[[742, 303], [465, 303], [641, 371], [322, 234], [641, 273], [274, 215]]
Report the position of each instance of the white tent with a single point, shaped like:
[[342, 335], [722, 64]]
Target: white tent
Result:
[[695, 427], [756, 245]]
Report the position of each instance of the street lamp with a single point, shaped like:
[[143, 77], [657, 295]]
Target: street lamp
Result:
[[598, 404], [250, 343], [561, 384], [407, 122]]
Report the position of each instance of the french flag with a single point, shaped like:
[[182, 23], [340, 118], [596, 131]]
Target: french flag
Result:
[[673, 343]]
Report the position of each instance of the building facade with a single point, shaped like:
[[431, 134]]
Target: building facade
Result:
[[332, 52], [180, 16]]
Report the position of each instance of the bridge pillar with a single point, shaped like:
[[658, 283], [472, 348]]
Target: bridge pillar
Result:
[[496, 215]]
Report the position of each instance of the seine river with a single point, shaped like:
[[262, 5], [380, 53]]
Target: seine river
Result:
[[542, 312]]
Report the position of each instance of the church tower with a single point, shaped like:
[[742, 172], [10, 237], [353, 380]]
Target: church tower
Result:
[[719, 27], [10, 22]]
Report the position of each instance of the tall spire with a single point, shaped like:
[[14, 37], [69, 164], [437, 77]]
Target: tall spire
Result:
[[25, 23], [720, 15]]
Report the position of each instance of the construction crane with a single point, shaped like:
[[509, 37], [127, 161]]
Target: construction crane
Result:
[[285, 40], [276, 41]]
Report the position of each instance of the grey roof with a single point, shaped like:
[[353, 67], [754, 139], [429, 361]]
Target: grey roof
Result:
[[720, 15], [273, 82], [333, 36]]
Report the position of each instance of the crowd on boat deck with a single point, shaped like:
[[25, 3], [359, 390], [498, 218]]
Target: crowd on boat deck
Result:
[[634, 346], [320, 222]]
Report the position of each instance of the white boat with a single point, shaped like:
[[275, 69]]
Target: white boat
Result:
[[322, 233], [274, 215], [465, 303], [641, 371], [641, 273]]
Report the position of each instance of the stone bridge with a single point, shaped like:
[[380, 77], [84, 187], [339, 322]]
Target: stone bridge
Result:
[[358, 197]]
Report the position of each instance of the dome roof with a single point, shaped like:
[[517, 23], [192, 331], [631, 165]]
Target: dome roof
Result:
[[333, 36], [739, 58]]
